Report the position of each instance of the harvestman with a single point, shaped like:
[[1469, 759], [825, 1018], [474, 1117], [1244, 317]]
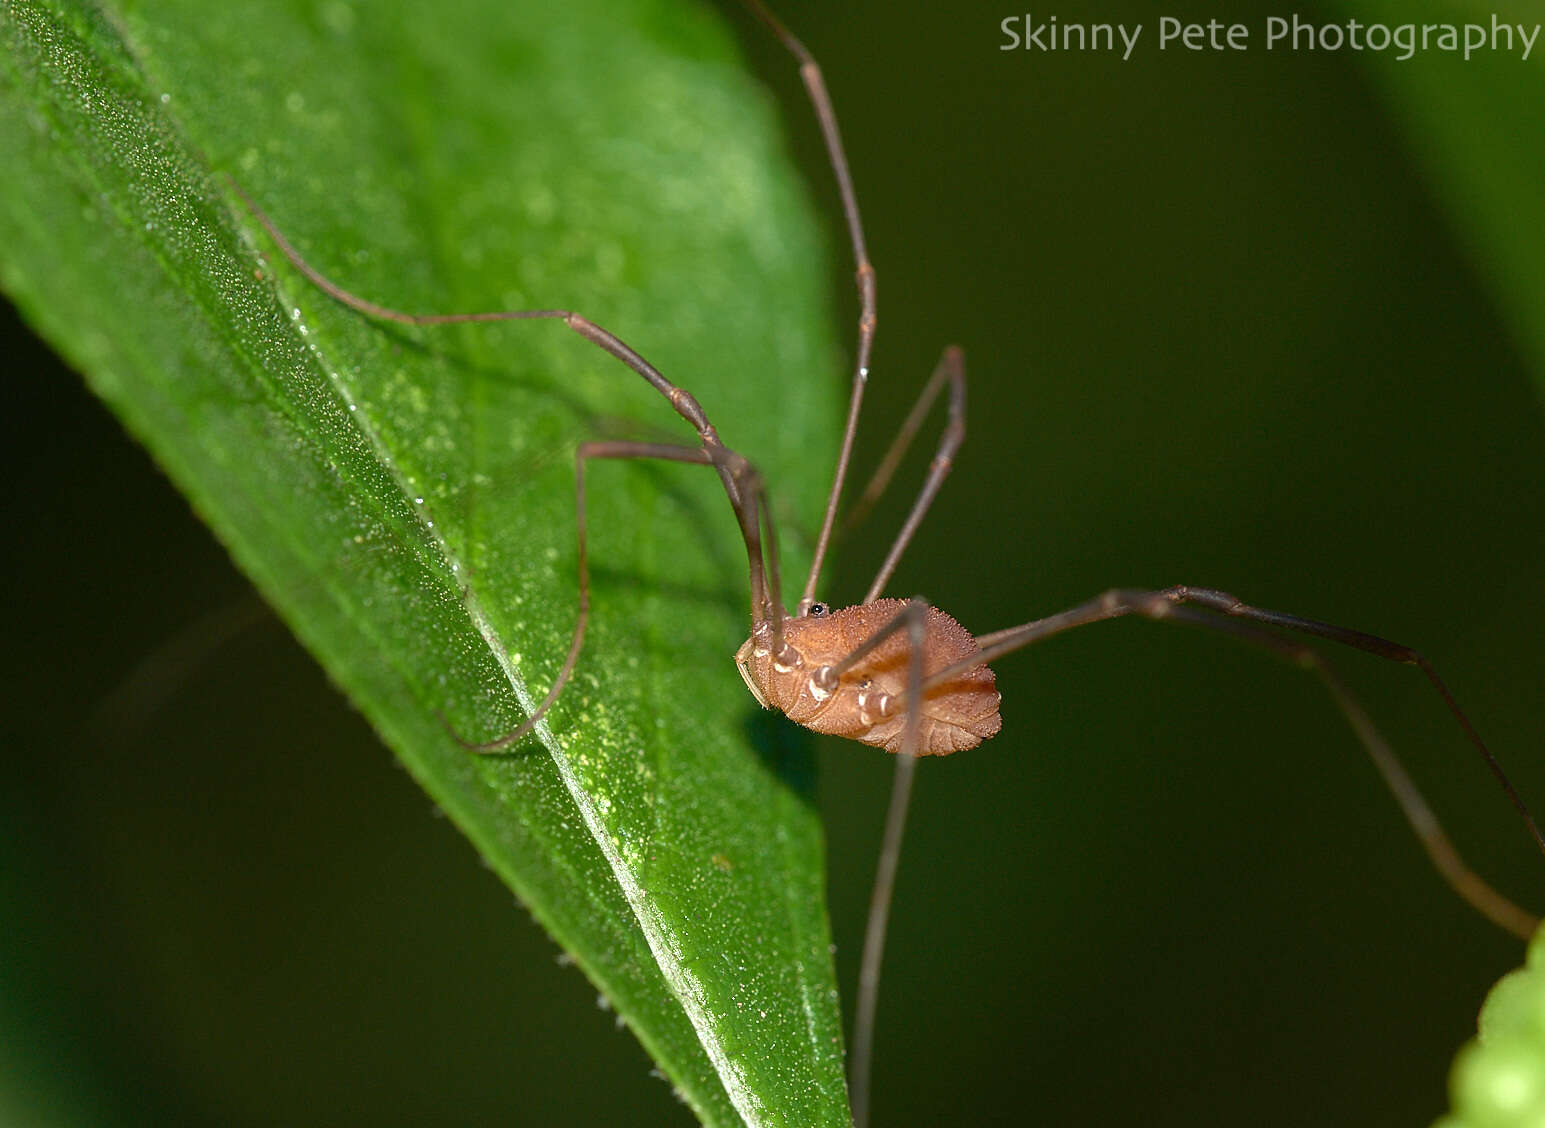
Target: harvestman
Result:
[[901, 674]]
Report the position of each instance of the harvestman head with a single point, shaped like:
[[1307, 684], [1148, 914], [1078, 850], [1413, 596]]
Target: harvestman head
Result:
[[903, 675]]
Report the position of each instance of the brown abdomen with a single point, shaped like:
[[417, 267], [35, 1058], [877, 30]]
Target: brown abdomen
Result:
[[956, 715]]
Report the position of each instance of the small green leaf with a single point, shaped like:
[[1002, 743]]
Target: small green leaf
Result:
[[1499, 1079], [405, 497]]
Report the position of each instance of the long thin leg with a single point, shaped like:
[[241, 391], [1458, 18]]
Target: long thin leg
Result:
[[734, 471], [815, 86], [686, 406], [913, 618], [951, 367], [1167, 603], [684, 403], [747, 480], [755, 515], [886, 470], [583, 453], [1440, 848], [861, 1063]]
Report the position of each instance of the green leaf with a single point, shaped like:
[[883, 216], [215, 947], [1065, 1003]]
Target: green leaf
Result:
[[1474, 124], [1499, 1078], [405, 497]]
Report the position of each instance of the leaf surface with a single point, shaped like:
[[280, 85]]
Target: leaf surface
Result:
[[405, 497]]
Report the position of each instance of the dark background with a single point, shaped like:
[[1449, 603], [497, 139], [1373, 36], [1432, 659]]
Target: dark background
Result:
[[1219, 331]]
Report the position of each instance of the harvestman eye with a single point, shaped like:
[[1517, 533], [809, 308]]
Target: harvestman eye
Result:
[[903, 675]]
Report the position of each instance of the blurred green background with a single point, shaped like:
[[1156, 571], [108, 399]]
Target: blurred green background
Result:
[[1220, 330]]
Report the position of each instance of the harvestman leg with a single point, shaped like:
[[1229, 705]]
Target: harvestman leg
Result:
[[815, 86], [951, 367], [582, 454], [742, 482], [752, 495], [912, 618], [1218, 610]]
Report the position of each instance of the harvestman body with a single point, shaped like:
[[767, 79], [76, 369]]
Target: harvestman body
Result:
[[806, 687], [903, 675]]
